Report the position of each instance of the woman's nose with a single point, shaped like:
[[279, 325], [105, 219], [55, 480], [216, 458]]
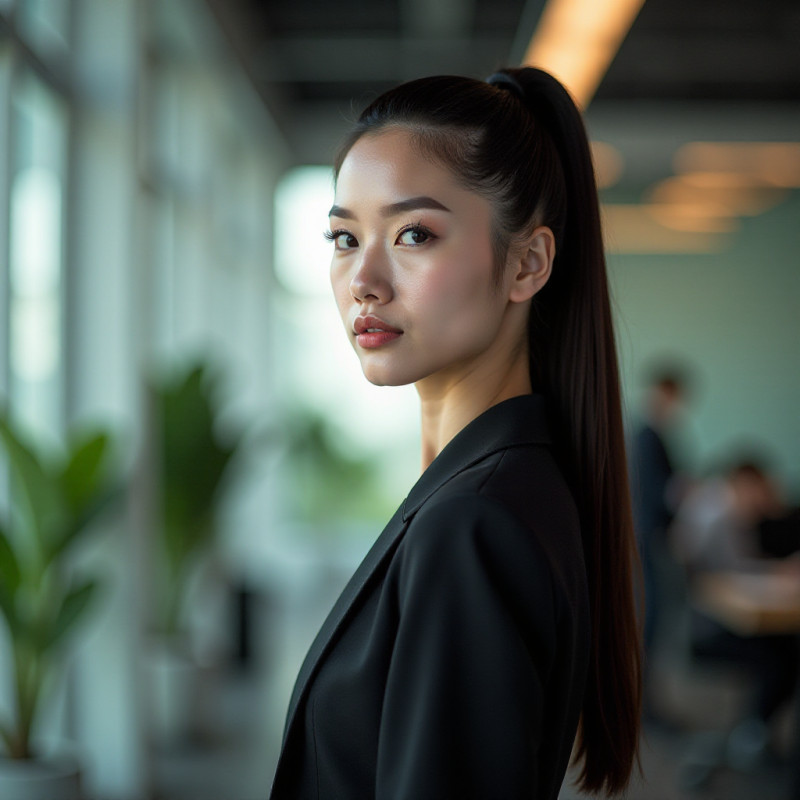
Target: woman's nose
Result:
[[371, 279]]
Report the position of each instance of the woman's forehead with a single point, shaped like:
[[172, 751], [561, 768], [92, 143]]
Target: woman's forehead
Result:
[[390, 162], [390, 149]]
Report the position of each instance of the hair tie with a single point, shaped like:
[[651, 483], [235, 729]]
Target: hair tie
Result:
[[508, 83]]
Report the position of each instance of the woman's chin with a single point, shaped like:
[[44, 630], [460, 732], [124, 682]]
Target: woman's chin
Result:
[[384, 377], [380, 381]]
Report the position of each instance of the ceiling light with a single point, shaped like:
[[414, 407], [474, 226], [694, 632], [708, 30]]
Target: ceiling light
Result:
[[576, 40], [775, 163], [736, 195], [634, 229], [608, 164], [693, 217]]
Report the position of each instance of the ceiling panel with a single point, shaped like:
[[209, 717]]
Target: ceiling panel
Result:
[[314, 62]]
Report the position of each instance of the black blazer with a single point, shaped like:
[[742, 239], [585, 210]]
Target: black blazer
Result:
[[454, 663]]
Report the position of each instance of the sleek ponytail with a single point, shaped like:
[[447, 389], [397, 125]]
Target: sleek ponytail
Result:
[[519, 141], [574, 361]]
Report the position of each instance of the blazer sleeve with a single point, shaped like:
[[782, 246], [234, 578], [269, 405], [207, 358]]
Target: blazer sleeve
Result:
[[465, 695]]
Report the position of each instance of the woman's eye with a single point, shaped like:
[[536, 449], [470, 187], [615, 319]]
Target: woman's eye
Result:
[[342, 240], [414, 236], [345, 241]]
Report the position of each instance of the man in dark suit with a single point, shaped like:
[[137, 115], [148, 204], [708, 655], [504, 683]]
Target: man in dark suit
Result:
[[655, 493]]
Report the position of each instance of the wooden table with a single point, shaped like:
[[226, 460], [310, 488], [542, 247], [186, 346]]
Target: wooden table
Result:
[[750, 604]]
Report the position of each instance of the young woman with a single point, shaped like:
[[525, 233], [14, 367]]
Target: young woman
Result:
[[494, 618]]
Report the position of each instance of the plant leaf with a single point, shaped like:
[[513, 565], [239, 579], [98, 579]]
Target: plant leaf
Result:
[[95, 506], [85, 470], [9, 565], [10, 578], [8, 607], [72, 608], [34, 482]]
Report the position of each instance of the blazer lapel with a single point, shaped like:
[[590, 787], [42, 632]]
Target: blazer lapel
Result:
[[519, 420], [378, 552]]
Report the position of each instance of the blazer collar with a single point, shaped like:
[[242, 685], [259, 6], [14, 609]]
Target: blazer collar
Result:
[[518, 421]]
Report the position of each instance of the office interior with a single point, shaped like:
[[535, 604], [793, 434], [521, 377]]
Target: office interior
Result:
[[164, 184]]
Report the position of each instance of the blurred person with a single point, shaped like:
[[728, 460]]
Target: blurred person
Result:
[[494, 617], [656, 486], [716, 530], [779, 536]]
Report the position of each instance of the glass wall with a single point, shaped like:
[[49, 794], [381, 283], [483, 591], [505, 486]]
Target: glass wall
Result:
[[137, 169], [37, 188]]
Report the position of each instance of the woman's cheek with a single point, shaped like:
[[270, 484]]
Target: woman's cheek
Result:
[[340, 284]]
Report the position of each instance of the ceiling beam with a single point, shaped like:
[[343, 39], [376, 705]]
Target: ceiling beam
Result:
[[424, 19], [376, 58]]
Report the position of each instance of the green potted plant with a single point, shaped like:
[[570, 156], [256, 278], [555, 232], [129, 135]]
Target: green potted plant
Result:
[[193, 456], [52, 502]]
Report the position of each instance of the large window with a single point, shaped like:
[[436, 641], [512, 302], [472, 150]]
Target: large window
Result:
[[36, 245], [34, 128], [137, 168]]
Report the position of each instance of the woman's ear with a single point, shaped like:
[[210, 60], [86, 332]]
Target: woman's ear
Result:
[[532, 264]]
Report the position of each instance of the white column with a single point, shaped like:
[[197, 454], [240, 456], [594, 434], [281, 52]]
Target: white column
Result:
[[107, 330]]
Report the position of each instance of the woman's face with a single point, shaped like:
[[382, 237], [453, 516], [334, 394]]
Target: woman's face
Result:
[[412, 265]]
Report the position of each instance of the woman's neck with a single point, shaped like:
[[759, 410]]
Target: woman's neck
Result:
[[448, 405]]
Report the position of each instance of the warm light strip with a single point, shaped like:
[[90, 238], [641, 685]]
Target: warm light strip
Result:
[[576, 41], [775, 163], [643, 229]]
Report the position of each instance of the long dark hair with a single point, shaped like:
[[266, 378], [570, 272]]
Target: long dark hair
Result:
[[520, 141]]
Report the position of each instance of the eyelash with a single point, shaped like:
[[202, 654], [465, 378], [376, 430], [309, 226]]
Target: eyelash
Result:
[[332, 236], [417, 227]]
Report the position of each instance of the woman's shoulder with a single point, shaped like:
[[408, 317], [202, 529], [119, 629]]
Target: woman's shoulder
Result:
[[511, 511], [466, 548], [523, 484]]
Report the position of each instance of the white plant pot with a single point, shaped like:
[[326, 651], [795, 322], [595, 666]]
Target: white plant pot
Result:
[[173, 681], [39, 779]]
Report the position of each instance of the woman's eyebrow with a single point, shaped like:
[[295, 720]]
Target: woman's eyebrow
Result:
[[412, 204], [400, 207]]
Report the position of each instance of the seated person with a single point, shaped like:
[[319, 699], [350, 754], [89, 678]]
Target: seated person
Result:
[[716, 529], [779, 536]]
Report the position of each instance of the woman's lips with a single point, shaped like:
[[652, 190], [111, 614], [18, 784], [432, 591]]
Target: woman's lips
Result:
[[370, 340], [373, 332]]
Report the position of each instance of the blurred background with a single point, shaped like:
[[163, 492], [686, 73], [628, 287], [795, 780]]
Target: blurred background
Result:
[[191, 463]]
